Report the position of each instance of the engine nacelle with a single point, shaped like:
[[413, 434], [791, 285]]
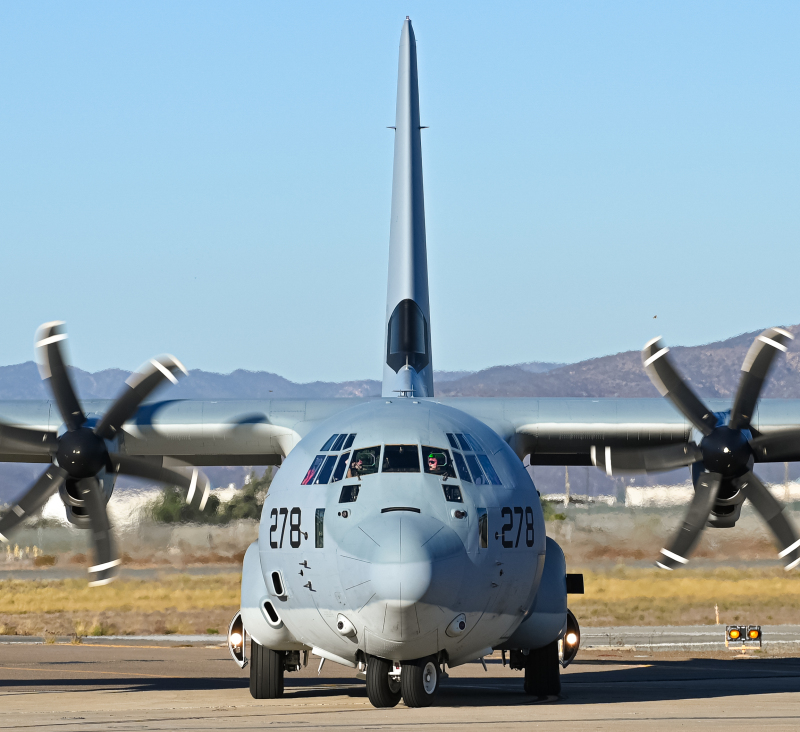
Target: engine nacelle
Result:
[[73, 503]]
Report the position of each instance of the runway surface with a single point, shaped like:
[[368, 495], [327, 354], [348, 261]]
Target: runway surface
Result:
[[149, 686]]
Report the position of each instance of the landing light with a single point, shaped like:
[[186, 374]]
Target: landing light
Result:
[[571, 639], [236, 639]]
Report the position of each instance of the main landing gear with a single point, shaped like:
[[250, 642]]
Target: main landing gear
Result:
[[417, 683], [266, 672], [542, 670]]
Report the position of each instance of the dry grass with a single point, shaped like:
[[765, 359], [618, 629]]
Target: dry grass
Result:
[[203, 604], [173, 591], [626, 596]]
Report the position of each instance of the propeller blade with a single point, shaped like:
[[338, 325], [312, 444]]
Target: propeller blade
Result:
[[646, 459], [771, 511], [53, 370], [671, 385], [140, 385], [29, 440], [777, 447], [705, 494], [755, 368], [171, 472], [37, 495], [106, 559]]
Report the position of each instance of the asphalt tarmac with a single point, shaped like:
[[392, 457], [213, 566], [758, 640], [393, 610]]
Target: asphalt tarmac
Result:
[[136, 685]]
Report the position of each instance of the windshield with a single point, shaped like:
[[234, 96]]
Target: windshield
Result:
[[365, 462], [437, 461], [401, 459]]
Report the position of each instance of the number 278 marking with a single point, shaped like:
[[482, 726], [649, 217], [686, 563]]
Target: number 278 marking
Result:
[[294, 516], [508, 513]]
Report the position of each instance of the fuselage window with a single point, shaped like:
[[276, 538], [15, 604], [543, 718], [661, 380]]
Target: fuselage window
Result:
[[452, 493], [483, 529], [338, 444], [494, 479], [348, 443], [401, 459], [319, 528], [349, 494], [477, 474], [326, 470], [312, 471], [437, 461], [463, 473], [452, 439], [463, 442], [327, 446], [338, 474], [365, 462]]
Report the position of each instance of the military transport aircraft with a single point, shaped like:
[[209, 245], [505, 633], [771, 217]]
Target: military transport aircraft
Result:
[[402, 534]]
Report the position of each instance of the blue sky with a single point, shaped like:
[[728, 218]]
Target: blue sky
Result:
[[213, 179]]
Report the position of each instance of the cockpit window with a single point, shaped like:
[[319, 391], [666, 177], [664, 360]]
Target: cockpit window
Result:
[[327, 445], [401, 459], [494, 479], [463, 442], [437, 461], [312, 471], [365, 462], [477, 474], [326, 470], [338, 444], [338, 474], [452, 439], [462, 467], [348, 443]]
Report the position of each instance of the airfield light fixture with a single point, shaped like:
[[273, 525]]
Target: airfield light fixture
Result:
[[733, 632]]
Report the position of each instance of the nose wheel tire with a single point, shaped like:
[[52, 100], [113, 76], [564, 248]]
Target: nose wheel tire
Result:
[[420, 681], [383, 690], [543, 672], [266, 672]]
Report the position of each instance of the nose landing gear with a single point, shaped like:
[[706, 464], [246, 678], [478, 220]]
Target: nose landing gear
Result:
[[383, 687], [420, 681]]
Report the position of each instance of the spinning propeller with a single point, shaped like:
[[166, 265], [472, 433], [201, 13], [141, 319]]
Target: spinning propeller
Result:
[[723, 460], [87, 448]]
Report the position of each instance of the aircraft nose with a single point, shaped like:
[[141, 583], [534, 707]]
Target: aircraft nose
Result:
[[398, 566]]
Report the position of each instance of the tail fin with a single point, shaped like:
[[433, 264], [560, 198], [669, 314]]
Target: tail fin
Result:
[[407, 369]]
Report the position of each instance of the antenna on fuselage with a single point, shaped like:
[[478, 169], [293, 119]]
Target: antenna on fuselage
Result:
[[407, 368]]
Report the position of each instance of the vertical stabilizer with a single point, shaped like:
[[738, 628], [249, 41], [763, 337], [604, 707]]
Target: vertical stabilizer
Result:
[[407, 369]]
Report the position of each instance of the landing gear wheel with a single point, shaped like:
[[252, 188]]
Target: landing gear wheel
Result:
[[266, 672], [419, 681], [383, 690], [542, 672]]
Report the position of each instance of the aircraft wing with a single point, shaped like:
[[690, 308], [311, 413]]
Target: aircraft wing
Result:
[[553, 431]]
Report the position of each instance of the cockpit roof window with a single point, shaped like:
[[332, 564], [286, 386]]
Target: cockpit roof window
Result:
[[312, 471], [338, 474], [338, 444], [327, 445], [437, 461], [348, 443], [452, 439], [463, 442], [326, 470], [365, 461], [473, 443], [462, 467], [401, 459], [488, 468]]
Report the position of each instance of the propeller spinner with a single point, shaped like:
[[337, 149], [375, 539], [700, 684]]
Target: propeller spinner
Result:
[[723, 460], [87, 450]]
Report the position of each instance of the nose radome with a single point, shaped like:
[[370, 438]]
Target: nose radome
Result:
[[399, 565]]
